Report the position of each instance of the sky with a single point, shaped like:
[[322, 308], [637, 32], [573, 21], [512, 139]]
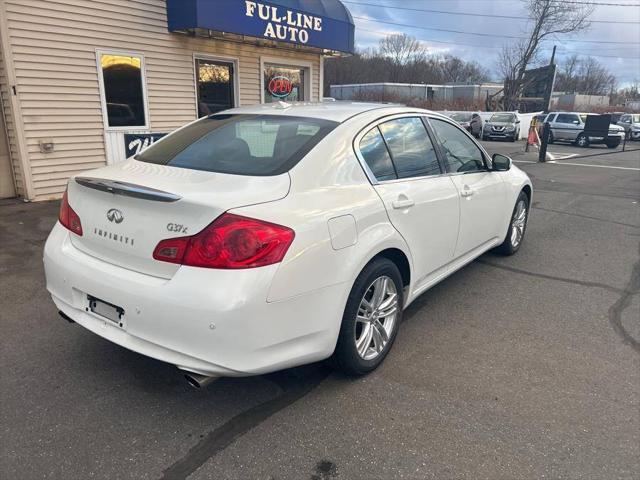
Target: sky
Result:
[[622, 59]]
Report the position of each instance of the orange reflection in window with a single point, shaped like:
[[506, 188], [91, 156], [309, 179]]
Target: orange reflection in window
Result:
[[112, 60]]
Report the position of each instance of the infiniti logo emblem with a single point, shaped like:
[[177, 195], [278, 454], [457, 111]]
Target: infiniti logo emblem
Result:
[[115, 215]]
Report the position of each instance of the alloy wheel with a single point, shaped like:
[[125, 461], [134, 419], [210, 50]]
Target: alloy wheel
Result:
[[518, 223], [376, 318]]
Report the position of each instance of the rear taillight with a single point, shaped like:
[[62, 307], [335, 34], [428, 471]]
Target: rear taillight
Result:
[[230, 242], [68, 217]]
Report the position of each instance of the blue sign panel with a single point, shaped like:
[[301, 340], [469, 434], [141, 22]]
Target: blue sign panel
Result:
[[317, 23]]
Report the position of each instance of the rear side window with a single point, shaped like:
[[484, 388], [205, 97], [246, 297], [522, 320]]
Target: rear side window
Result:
[[567, 118], [256, 145], [411, 149], [375, 153]]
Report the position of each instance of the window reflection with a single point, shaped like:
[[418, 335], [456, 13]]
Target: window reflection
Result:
[[123, 90], [215, 86]]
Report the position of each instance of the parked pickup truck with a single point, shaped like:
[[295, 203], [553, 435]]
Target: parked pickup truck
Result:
[[569, 127]]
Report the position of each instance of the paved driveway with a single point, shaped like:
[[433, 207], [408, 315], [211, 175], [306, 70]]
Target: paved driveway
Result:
[[520, 367]]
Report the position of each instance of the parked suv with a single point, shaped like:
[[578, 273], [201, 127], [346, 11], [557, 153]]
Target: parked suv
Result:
[[631, 124], [470, 121], [502, 125], [569, 127]]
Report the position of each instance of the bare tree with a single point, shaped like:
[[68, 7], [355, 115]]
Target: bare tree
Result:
[[548, 18], [402, 50], [586, 76]]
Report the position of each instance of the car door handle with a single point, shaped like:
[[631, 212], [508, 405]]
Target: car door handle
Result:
[[403, 203], [467, 192]]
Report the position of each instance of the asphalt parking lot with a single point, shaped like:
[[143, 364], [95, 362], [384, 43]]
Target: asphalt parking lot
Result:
[[518, 367]]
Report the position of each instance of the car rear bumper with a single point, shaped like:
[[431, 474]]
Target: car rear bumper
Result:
[[212, 322]]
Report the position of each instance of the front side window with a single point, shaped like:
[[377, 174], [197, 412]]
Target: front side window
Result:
[[258, 145], [123, 90], [215, 86], [461, 153], [284, 83], [411, 149]]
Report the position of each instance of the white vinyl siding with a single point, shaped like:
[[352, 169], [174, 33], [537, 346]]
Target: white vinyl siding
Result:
[[54, 45]]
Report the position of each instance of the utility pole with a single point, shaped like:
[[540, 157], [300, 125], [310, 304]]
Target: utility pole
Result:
[[551, 80]]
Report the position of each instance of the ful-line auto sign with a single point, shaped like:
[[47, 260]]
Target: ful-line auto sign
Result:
[[283, 24], [299, 22]]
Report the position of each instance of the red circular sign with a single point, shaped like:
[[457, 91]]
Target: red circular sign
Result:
[[280, 86]]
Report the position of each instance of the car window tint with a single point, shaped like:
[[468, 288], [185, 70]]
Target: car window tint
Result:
[[566, 118], [375, 153], [411, 149], [257, 145], [461, 153]]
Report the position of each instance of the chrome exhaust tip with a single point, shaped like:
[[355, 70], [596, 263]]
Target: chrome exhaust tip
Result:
[[197, 381]]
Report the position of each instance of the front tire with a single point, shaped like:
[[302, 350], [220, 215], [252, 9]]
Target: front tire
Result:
[[517, 226], [371, 318]]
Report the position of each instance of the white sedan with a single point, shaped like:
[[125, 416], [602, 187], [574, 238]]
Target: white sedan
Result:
[[271, 236]]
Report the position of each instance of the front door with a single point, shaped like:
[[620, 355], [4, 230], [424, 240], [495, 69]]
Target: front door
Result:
[[483, 194], [421, 203], [215, 86], [7, 189]]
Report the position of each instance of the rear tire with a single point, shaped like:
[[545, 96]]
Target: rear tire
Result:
[[517, 226], [582, 140], [363, 344]]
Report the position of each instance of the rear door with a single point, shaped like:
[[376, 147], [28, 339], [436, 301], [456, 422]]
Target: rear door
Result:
[[483, 193], [568, 126], [421, 203]]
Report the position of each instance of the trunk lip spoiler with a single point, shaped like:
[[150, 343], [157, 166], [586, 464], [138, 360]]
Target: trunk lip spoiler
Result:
[[126, 189]]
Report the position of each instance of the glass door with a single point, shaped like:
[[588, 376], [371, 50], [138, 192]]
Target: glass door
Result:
[[215, 86]]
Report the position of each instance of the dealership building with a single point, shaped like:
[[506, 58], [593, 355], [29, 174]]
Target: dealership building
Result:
[[84, 83]]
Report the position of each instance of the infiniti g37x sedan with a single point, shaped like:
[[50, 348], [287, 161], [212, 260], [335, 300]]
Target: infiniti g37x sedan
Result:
[[267, 237]]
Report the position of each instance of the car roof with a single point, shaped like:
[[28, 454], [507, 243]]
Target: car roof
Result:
[[334, 111]]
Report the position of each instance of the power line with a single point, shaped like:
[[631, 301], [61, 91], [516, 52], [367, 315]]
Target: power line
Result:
[[445, 12], [586, 54], [579, 3], [483, 34], [576, 2]]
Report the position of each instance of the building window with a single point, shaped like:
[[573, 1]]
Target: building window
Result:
[[123, 94], [286, 83], [215, 86]]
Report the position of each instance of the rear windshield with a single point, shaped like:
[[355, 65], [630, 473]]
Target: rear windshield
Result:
[[257, 145]]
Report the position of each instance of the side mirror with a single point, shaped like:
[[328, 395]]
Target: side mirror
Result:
[[517, 121], [486, 121], [500, 163]]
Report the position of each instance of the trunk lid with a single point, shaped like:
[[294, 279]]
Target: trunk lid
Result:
[[126, 209]]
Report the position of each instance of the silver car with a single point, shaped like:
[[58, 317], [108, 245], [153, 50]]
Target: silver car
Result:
[[502, 125], [569, 127], [631, 124]]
